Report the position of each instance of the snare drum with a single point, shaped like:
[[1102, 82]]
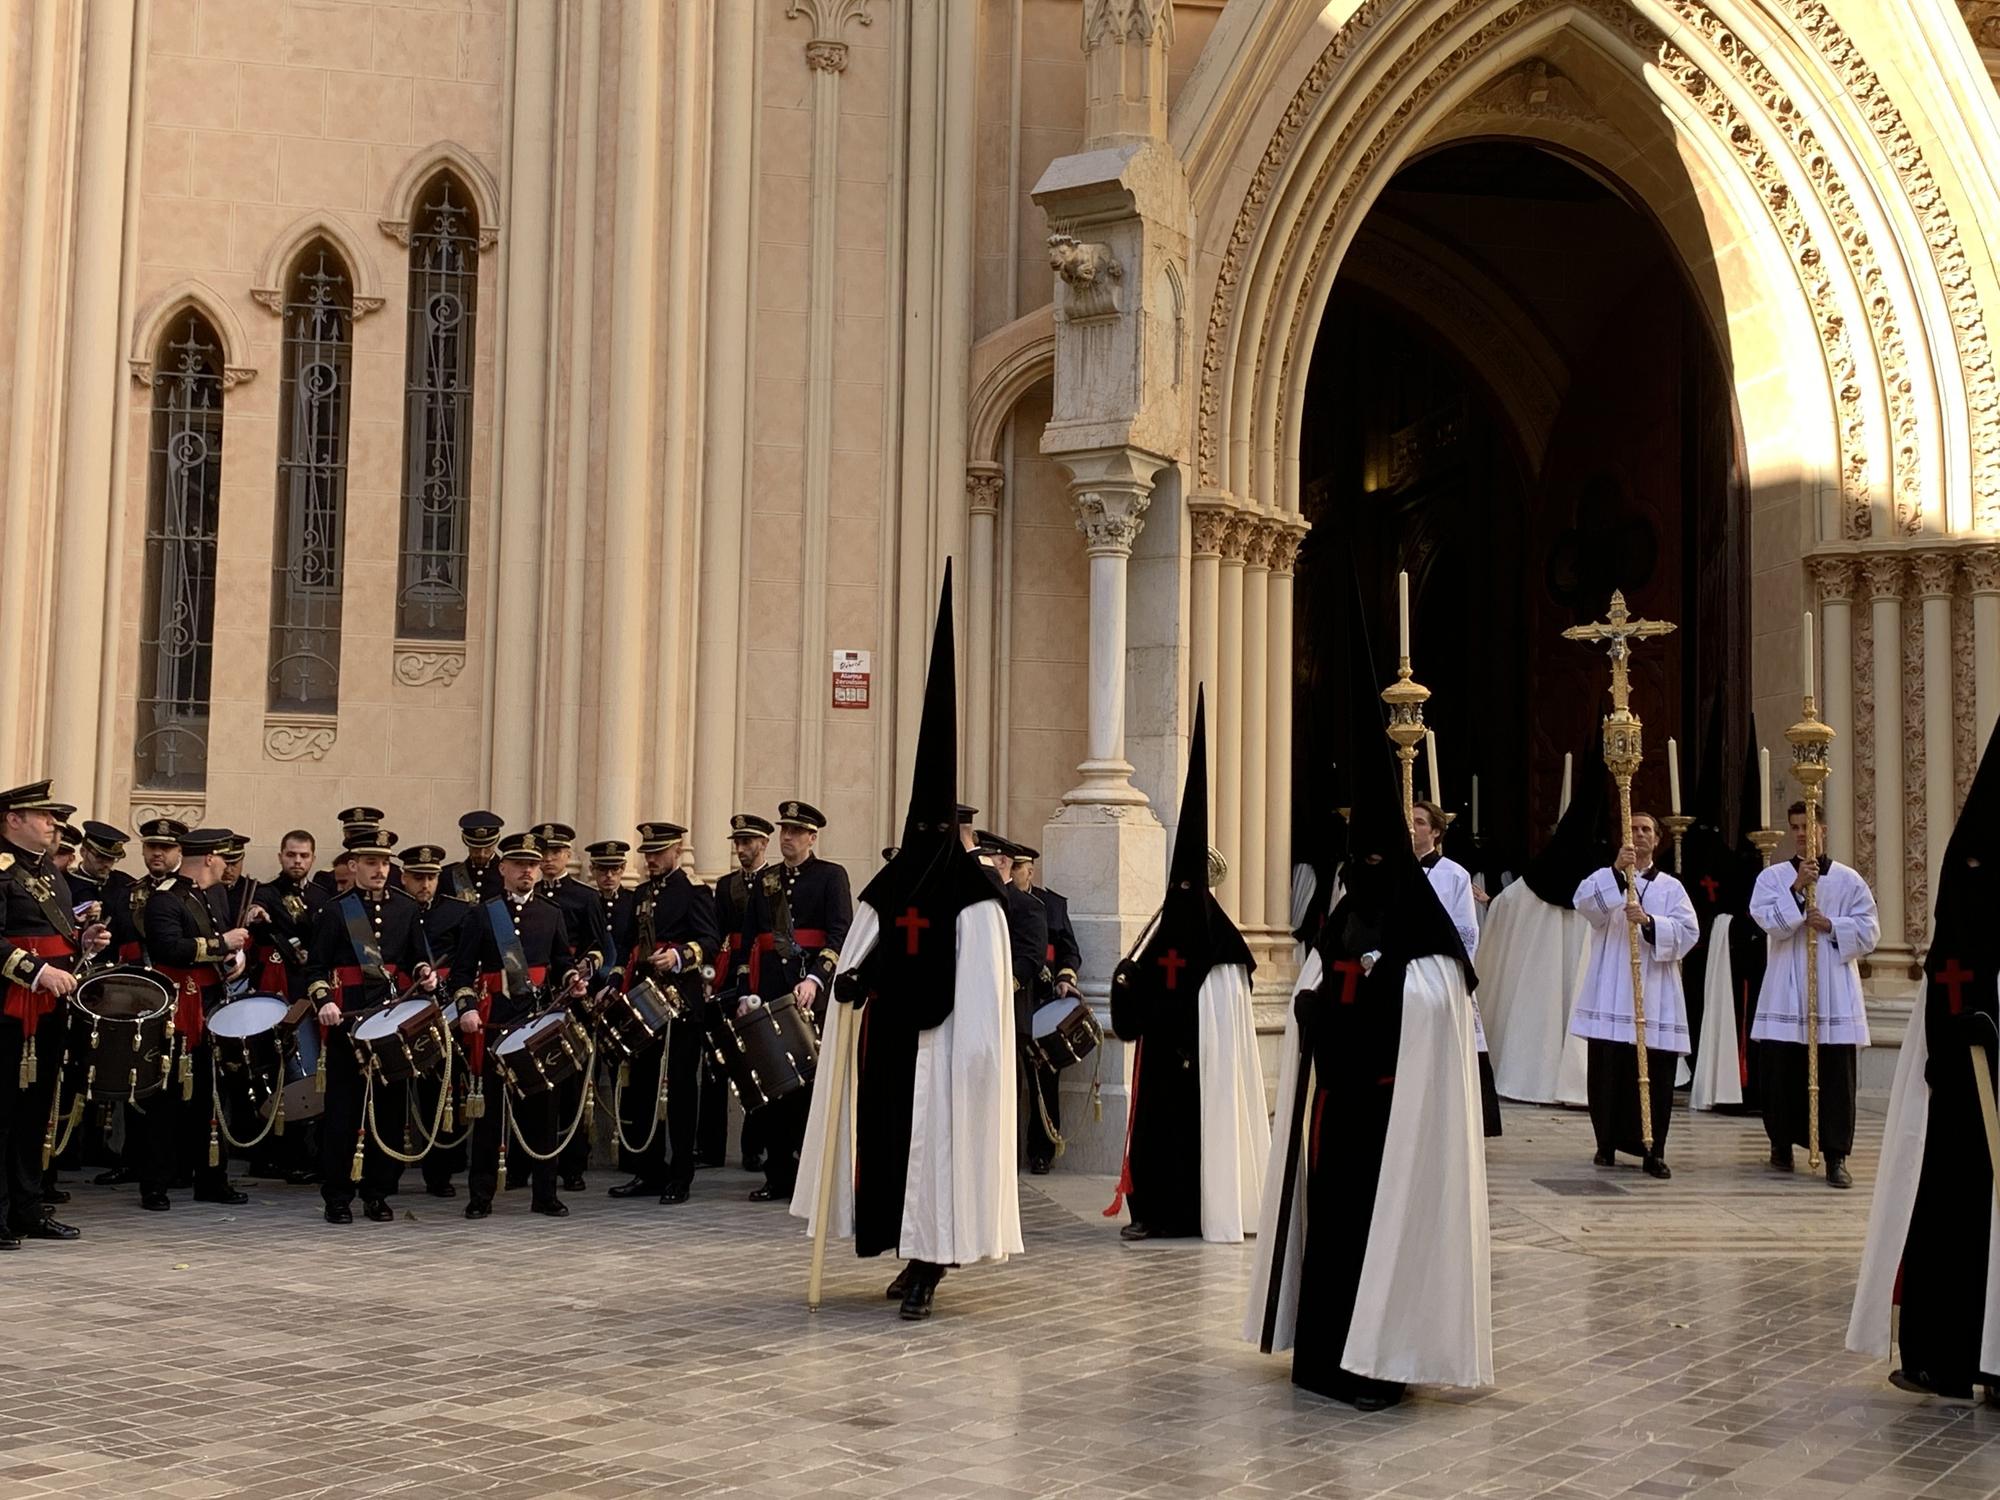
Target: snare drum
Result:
[[405, 1041], [304, 1098], [537, 1057], [632, 1020], [118, 1031], [774, 1055], [248, 1036], [1064, 1032]]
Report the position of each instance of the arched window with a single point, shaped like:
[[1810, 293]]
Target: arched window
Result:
[[437, 412], [312, 485], [183, 504]]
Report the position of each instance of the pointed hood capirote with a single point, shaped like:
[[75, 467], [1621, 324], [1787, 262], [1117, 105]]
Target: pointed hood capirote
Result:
[[1582, 840], [933, 877], [1192, 933]]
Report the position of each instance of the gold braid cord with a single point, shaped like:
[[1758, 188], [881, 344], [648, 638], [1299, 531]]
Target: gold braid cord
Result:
[[411, 1158], [582, 1109]]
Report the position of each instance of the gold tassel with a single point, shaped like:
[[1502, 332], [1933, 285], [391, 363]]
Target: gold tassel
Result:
[[624, 1074], [278, 1111], [31, 1068], [187, 1073], [446, 1123], [354, 1169], [1096, 1102], [214, 1145], [319, 1069], [49, 1140]]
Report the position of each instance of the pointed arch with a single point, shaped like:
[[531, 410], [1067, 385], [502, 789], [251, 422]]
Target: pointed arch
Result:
[[158, 316], [400, 205], [275, 271]]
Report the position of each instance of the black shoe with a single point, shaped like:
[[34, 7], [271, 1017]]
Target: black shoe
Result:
[[9, 1240], [1921, 1383], [1837, 1175], [555, 1208], [339, 1213], [1135, 1231], [155, 1203], [1604, 1159], [573, 1182], [753, 1161], [638, 1187], [478, 1208], [441, 1190], [677, 1193], [46, 1228], [1656, 1167], [1038, 1166], [917, 1300], [377, 1210], [769, 1194], [51, 1196], [1378, 1395], [1781, 1159], [114, 1177], [900, 1287], [224, 1194]]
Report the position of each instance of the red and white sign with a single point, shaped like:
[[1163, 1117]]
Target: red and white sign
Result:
[[850, 679]]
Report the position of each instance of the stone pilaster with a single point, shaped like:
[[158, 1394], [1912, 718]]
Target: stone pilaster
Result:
[[1882, 578], [1982, 577], [1832, 578], [984, 484], [1250, 747], [1286, 534], [1934, 578]]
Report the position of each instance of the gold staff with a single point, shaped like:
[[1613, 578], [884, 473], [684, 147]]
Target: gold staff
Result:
[[1405, 697], [1810, 742], [1622, 755]]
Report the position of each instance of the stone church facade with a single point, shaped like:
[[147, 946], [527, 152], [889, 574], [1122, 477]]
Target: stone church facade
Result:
[[440, 403]]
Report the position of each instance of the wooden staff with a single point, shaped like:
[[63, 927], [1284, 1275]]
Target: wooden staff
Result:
[[836, 1109]]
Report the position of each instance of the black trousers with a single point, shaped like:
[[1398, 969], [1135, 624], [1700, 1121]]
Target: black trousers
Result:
[[783, 1127], [575, 1158], [1045, 1083], [668, 1160], [24, 1116], [1612, 1085], [1787, 1099], [174, 1139], [711, 1123], [442, 1161], [341, 1125], [535, 1116]]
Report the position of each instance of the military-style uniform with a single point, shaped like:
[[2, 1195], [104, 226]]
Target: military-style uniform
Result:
[[1063, 959], [796, 921], [441, 920], [590, 940], [732, 966], [284, 941], [463, 879], [478, 977]]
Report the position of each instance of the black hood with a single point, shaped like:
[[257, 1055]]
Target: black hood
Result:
[[1582, 840], [1964, 958]]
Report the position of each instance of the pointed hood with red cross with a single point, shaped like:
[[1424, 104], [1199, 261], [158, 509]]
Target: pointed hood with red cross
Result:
[[1964, 959], [919, 893]]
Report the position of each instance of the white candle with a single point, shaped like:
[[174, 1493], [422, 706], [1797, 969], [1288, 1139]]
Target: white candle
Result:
[[1562, 802], [1475, 804], [1763, 787], [1674, 777], [1437, 781], [1809, 654], [1403, 615]]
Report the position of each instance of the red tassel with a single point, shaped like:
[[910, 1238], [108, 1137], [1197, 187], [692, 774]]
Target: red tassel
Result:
[[1131, 1113]]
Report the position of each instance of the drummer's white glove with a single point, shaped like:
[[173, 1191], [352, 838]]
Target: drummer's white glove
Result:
[[427, 979], [235, 939], [329, 1014], [1369, 960], [747, 1004], [238, 964], [53, 981]]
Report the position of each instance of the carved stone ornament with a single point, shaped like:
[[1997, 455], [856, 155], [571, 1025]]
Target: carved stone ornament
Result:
[[273, 297], [1534, 91], [1127, 20], [232, 375], [1982, 569], [1931, 574], [307, 737], [1109, 519], [1832, 578], [1257, 544], [1209, 523], [1982, 19], [1882, 574], [190, 813], [983, 488], [826, 57], [419, 663], [1092, 275], [1286, 535], [826, 52], [1916, 777]]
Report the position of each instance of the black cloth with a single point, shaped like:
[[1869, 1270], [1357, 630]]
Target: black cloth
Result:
[[1028, 943], [583, 910], [461, 880], [1582, 840], [1787, 1096], [291, 909], [1044, 1122], [671, 911], [1611, 1083], [1065, 957]]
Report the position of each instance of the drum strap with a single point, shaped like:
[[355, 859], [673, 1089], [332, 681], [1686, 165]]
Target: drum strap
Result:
[[42, 890], [462, 888], [367, 951], [513, 960]]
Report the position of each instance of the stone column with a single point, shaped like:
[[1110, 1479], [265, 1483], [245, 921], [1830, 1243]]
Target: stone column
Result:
[[1882, 575], [984, 483], [1833, 579], [1982, 574], [1286, 534], [1256, 725], [1210, 518], [1935, 577], [1228, 804]]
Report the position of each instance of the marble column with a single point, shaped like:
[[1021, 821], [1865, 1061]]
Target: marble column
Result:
[[1286, 534], [1882, 576], [1209, 516], [91, 401], [1833, 580], [1256, 723], [1228, 830], [984, 484], [1934, 573], [1982, 576]]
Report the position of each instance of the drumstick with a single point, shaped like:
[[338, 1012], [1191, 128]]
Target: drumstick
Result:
[[836, 1106]]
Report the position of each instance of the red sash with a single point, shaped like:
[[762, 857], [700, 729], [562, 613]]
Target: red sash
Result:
[[492, 985], [725, 959], [187, 1009], [767, 942], [28, 1005], [272, 976], [350, 977]]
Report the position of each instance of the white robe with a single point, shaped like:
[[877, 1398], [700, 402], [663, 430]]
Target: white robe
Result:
[[1527, 987], [1235, 1131], [1604, 1001], [1869, 1328], [1454, 893], [1718, 1065], [1845, 900], [961, 1200], [1423, 1313]]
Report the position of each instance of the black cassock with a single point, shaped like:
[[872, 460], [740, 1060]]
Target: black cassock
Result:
[[1164, 1152]]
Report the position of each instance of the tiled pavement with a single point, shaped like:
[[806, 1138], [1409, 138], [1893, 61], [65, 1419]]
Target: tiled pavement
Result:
[[1657, 1340]]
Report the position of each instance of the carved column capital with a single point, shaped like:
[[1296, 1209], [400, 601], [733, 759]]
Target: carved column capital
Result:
[[826, 57], [1209, 520], [1933, 573], [1257, 546], [1832, 578], [1882, 575], [1110, 519], [826, 53], [1236, 536], [1286, 535], [984, 485], [1982, 568]]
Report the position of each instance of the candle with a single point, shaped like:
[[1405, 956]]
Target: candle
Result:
[[1763, 787], [1809, 654], [1562, 802], [1403, 615], [1475, 804], [1437, 781], [1674, 777]]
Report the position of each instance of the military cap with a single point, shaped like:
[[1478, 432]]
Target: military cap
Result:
[[750, 826], [34, 797], [659, 835], [359, 817], [801, 815], [342, 858], [480, 830], [105, 839], [423, 859], [162, 831], [68, 836], [521, 846], [555, 835], [368, 839], [967, 812], [199, 841], [608, 854], [237, 847], [1023, 851]]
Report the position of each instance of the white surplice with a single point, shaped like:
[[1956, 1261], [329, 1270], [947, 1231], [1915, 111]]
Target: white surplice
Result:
[[1235, 1130], [1844, 900], [1604, 1001], [1527, 987], [1423, 1313], [961, 1199]]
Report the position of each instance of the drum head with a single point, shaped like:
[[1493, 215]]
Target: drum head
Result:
[[1049, 1018], [251, 1016], [122, 995], [388, 1022], [522, 1035]]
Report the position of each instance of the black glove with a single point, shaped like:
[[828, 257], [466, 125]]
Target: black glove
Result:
[[1310, 1008], [849, 989]]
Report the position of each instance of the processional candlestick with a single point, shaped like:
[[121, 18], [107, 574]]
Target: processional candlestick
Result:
[[1406, 698], [1622, 755]]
